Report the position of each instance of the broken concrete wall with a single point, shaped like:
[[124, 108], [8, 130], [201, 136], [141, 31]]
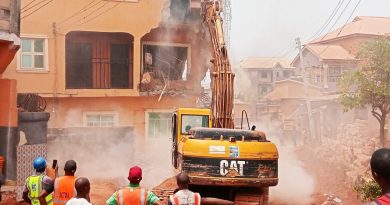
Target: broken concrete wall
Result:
[[190, 66]]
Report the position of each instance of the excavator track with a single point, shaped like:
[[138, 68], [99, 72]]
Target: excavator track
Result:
[[165, 189], [259, 196], [246, 196]]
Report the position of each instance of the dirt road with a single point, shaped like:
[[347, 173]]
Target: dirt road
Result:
[[326, 181]]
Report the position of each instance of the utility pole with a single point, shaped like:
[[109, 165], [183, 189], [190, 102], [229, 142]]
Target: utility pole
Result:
[[304, 71]]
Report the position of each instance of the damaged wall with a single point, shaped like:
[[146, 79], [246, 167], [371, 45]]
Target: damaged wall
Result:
[[192, 37], [136, 19], [130, 111]]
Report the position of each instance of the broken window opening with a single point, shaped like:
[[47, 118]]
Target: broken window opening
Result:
[[164, 63]]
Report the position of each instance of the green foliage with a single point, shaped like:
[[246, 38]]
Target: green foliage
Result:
[[369, 85], [368, 190]]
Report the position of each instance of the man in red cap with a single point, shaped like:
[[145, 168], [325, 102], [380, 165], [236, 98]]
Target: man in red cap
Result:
[[133, 194]]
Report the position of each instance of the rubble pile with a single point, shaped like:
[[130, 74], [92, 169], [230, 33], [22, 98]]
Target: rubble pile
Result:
[[350, 150]]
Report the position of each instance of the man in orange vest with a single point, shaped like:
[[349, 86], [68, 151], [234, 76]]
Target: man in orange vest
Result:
[[133, 194], [184, 196], [64, 188]]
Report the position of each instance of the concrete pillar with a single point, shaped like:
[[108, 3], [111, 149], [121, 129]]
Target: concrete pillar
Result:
[[325, 76], [8, 127]]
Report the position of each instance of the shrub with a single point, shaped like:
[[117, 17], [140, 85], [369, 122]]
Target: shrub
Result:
[[368, 190]]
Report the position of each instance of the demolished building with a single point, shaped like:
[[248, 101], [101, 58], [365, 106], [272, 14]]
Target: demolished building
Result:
[[113, 64]]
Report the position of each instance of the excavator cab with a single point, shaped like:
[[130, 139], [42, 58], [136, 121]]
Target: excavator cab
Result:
[[183, 120]]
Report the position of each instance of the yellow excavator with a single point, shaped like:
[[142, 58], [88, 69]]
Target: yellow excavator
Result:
[[222, 162]]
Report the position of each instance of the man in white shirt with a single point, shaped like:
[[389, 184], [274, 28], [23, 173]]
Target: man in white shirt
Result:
[[82, 188], [184, 196]]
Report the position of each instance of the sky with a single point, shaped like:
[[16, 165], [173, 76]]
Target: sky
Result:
[[268, 28]]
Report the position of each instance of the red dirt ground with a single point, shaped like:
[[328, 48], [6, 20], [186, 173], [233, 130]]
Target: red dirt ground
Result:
[[327, 180]]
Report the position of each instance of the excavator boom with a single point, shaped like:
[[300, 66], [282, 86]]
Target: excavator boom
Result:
[[222, 75]]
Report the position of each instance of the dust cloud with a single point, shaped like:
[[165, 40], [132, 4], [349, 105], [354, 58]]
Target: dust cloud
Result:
[[108, 153], [110, 157], [243, 88], [296, 186]]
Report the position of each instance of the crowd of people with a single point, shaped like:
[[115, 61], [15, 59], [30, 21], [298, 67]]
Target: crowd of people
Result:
[[41, 189]]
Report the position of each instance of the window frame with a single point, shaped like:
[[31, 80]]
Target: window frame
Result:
[[45, 68], [86, 114], [154, 43], [184, 115], [109, 40], [147, 118]]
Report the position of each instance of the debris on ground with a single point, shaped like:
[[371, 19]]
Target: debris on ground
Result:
[[332, 199]]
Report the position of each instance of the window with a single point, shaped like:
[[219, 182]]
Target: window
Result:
[[99, 60], [334, 71], [33, 54], [166, 61], [100, 119], [191, 121], [162, 62], [260, 90], [287, 74], [160, 124], [264, 74]]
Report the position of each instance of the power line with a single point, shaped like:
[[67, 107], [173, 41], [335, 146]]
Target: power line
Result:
[[327, 22], [28, 4], [26, 9], [89, 14], [338, 18], [96, 16], [84, 9], [37, 9], [349, 18], [353, 11], [287, 52]]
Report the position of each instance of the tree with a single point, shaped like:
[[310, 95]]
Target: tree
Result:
[[370, 85]]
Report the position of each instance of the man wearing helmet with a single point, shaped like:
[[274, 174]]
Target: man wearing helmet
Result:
[[39, 187]]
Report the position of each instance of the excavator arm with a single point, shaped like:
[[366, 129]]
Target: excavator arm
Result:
[[222, 76]]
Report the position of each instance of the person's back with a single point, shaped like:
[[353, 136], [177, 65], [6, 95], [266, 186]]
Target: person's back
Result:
[[83, 187], [64, 187], [380, 169], [184, 196], [38, 187], [133, 194]]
